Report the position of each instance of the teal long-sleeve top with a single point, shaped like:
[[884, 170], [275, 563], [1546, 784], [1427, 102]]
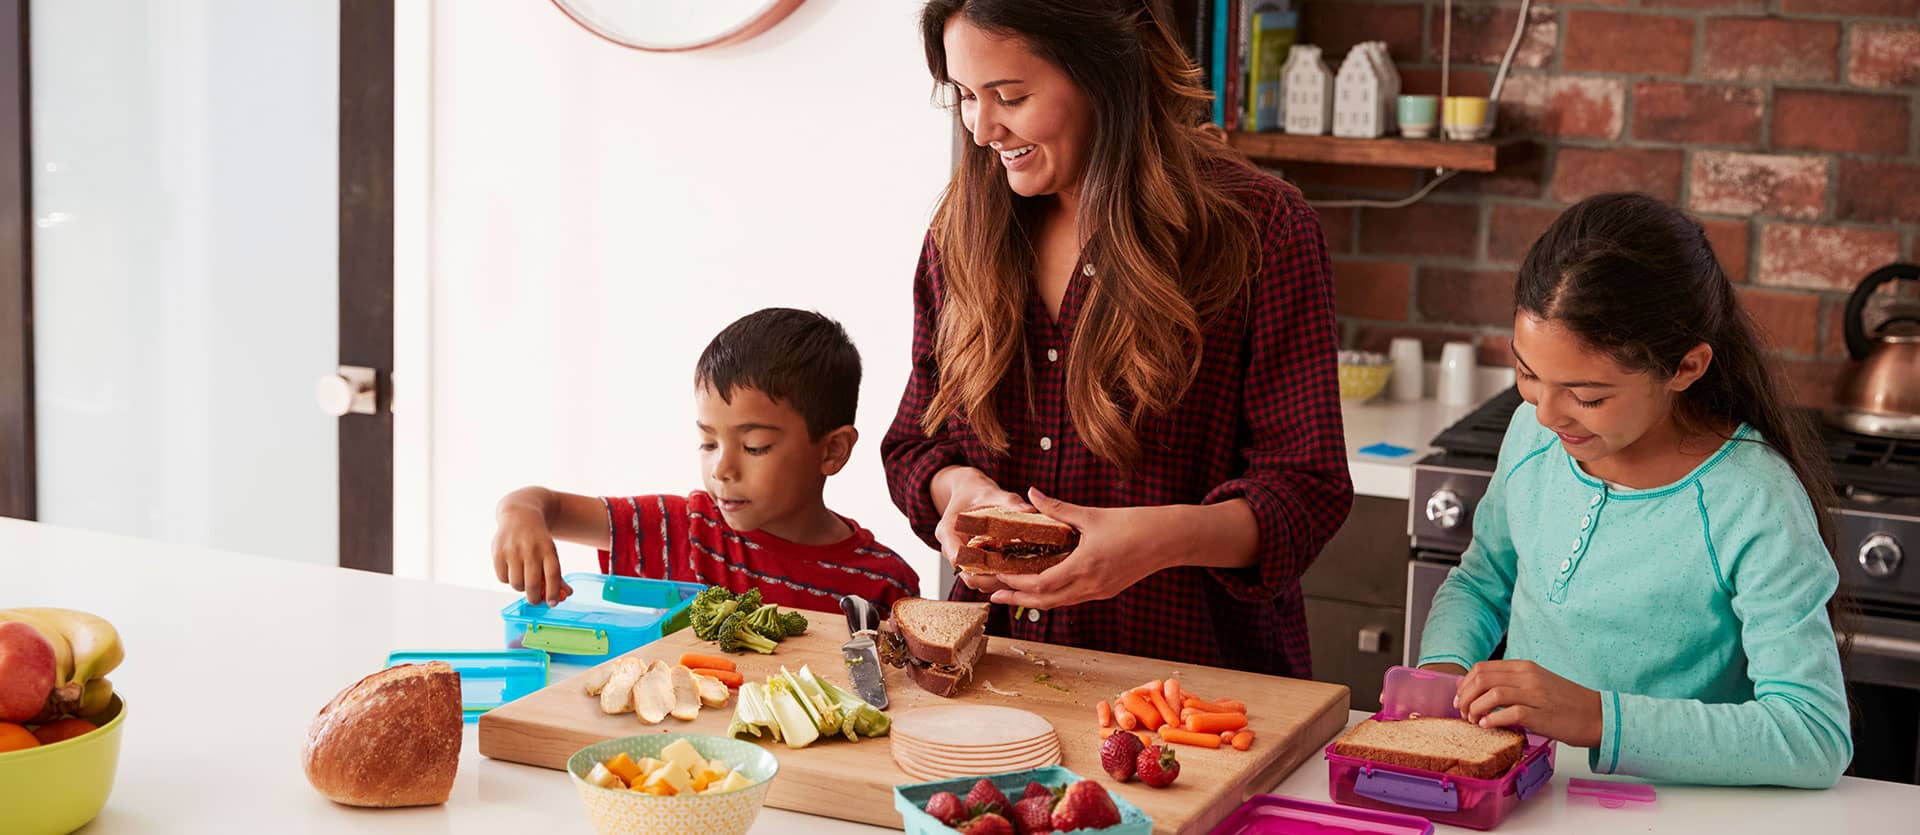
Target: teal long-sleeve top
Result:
[[1697, 610]]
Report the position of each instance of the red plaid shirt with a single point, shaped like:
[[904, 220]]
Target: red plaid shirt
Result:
[[685, 538], [1261, 423]]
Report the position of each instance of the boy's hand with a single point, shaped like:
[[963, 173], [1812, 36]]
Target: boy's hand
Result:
[[972, 490], [1499, 694], [524, 557]]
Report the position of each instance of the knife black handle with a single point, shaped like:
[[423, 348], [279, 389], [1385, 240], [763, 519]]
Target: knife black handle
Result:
[[861, 615]]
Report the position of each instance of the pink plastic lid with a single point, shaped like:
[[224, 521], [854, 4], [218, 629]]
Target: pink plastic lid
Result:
[[1272, 814], [1610, 794], [1410, 691]]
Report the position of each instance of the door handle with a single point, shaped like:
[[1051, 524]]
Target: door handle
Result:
[[352, 390]]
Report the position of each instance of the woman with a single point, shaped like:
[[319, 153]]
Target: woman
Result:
[[1115, 313]]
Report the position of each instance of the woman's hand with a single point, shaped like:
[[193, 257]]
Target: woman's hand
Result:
[[969, 489], [1498, 694], [1119, 546], [524, 556]]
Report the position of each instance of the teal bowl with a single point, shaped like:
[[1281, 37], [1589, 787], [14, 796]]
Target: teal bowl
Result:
[[722, 813]]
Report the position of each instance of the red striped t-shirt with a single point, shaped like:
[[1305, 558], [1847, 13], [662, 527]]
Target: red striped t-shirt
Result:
[[685, 539]]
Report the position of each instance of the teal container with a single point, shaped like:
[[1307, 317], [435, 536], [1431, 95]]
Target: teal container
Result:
[[488, 679], [911, 800], [605, 617]]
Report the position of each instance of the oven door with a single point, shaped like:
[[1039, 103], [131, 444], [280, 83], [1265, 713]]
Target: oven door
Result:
[[1883, 683], [1425, 572]]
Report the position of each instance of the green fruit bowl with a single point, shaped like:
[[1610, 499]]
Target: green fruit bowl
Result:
[[638, 813], [58, 788]]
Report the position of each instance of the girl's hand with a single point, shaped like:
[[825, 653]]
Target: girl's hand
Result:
[[1499, 694], [972, 491], [524, 557], [1119, 546]]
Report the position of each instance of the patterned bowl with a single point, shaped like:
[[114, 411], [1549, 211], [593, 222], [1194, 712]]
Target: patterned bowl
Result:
[[722, 813], [1363, 382]]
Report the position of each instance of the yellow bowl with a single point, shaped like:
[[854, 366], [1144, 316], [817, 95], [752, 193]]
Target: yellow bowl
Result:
[[1363, 382], [60, 787], [636, 813]]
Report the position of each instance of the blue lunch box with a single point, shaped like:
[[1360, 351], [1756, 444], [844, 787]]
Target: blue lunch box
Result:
[[606, 616]]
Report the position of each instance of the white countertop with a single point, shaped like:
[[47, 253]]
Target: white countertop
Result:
[[229, 656], [1410, 425]]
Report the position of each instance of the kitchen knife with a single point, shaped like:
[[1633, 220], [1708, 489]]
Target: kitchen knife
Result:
[[860, 654]]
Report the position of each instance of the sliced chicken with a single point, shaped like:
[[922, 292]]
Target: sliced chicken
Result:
[[653, 696], [686, 695], [617, 695], [713, 692], [598, 676]]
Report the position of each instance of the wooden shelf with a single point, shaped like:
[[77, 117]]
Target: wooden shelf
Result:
[[1274, 146]]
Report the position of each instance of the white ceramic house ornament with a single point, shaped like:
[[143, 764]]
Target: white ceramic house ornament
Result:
[[1309, 91], [1390, 79], [1357, 92]]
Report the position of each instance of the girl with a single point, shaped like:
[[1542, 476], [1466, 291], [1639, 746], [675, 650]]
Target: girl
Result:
[[1653, 542]]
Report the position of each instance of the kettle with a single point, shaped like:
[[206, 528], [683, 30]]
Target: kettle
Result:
[[1881, 395]]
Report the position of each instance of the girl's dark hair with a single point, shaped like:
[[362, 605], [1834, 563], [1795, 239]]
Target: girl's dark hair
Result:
[[1636, 278]]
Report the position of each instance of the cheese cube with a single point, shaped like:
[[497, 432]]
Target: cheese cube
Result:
[[682, 754], [624, 767], [603, 778], [671, 776], [735, 780]]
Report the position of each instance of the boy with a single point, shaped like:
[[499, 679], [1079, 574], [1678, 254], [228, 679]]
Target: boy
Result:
[[774, 398]]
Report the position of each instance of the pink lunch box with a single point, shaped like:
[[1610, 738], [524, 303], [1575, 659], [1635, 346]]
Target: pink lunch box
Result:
[[1441, 798]]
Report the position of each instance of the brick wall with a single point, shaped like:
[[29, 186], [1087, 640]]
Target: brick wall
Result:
[[1789, 127]]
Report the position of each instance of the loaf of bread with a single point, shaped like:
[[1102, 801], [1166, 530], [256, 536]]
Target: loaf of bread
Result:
[[392, 739], [1448, 746]]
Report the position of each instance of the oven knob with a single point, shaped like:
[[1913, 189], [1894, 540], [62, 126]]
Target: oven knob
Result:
[[1880, 555], [1444, 509]]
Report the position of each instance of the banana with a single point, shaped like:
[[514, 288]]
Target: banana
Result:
[[62, 651], [95, 644], [94, 698]]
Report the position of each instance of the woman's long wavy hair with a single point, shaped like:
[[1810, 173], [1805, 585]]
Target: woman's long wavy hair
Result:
[[1173, 248]]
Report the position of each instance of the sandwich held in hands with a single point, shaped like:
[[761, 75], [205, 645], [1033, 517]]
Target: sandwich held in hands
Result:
[[1004, 540]]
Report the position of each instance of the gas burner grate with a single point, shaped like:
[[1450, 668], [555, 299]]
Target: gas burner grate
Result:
[[1886, 466], [1480, 432]]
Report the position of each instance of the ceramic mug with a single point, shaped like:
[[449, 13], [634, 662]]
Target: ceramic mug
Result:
[[1418, 115], [1466, 117], [1456, 373]]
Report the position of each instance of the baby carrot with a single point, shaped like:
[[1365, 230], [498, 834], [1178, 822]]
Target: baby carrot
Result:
[[1212, 707], [1180, 737], [1227, 736], [1105, 712], [696, 661], [1175, 696], [1214, 723], [1234, 705], [1144, 739], [727, 677], [1243, 740], [1153, 686], [1166, 712], [1124, 717], [1143, 710]]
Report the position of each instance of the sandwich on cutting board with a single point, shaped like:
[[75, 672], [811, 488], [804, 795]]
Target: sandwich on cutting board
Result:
[[937, 641], [1009, 541]]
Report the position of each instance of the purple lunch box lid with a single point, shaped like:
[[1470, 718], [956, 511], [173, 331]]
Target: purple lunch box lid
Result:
[[1411, 691], [1272, 814]]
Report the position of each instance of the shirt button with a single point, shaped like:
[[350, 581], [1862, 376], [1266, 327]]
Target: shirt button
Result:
[[1576, 545], [1087, 270], [1566, 565], [1033, 615], [1595, 501], [1585, 521], [1046, 443], [1053, 355]]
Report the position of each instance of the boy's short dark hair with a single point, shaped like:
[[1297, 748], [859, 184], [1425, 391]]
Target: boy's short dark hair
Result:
[[798, 357]]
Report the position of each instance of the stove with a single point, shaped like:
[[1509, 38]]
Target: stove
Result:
[[1876, 516]]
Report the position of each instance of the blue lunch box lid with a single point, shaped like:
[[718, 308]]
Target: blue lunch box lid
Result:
[[488, 679], [603, 604]]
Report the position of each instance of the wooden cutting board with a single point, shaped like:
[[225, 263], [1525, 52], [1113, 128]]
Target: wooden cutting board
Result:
[[1292, 720]]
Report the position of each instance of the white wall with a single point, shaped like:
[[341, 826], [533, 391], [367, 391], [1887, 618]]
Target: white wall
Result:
[[598, 213], [184, 183]]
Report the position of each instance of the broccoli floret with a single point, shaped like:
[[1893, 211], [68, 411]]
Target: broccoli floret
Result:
[[794, 623], [737, 636], [709, 609], [768, 621], [750, 601]]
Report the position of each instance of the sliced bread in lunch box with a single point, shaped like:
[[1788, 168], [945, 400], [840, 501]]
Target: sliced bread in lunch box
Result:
[[1446, 745]]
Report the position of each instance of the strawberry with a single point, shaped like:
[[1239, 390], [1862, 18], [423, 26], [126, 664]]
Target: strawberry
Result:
[[1038, 789], [988, 824], [986, 797], [1086, 805], [1034, 815], [947, 808], [1158, 766], [1117, 755]]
